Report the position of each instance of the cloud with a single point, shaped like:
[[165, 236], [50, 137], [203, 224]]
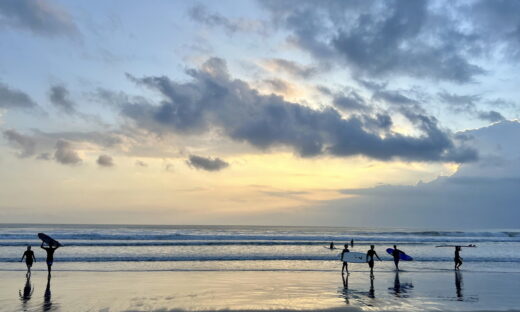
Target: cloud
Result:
[[208, 164], [479, 194], [59, 96], [212, 99], [460, 103], [290, 67], [200, 14], [38, 16], [25, 144], [381, 39], [141, 163], [11, 98], [105, 161], [65, 154], [491, 116], [350, 101]]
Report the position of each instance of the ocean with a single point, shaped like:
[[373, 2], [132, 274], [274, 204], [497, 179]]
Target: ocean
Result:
[[251, 248]]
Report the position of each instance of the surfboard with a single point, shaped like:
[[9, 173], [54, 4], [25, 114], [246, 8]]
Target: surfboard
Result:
[[49, 240], [355, 257], [466, 246], [402, 255]]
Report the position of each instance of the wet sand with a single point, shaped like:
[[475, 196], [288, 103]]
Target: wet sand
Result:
[[259, 290]]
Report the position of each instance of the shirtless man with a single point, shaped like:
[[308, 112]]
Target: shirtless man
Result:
[[29, 259], [50, 255], [370, 259]]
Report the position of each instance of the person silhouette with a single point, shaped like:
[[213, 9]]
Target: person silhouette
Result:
[[331, 245], [345, 263], [345, 291], [396, 254], [29, 259], [370, 259], [50, 255], [457, 259]]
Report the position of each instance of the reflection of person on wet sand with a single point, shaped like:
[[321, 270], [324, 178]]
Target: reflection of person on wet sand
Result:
[[27, 290], [47, 303], [397, 284], [345, 288], [372, 292], [29, 259], [459, 284]]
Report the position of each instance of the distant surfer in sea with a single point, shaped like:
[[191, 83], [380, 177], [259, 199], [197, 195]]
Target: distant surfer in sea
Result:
[[396, 254], [370, 259], [457, 259], [332, 245], [345, 263], [352, 243], [29, 259], [50, 255]]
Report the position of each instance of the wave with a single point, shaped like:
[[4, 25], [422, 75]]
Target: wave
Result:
[[213, 258]]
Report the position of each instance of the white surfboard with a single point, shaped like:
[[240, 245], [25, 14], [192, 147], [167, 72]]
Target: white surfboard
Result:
[[355, 257]]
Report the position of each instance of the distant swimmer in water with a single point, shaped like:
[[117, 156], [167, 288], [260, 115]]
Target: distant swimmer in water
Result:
[[331, 245], [396, 254], [345, 263], [370, 259], [457, 259], [50, 255], [29, 259], [352, 243]]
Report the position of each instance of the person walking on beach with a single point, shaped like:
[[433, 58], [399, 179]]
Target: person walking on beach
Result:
[[396, 253], [345, 263], [457, 259], [50, 255], [29, 259], [370, 259]]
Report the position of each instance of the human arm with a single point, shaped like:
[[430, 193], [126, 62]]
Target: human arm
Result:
[[375, 253], [23, 256]]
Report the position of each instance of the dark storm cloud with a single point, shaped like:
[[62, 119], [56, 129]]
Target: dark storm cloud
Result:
[[25, 144], [59, 96], [377, 38], [212, 99], [40, 17], [208, 164], [65, 153], [105, 161], [12, 98]]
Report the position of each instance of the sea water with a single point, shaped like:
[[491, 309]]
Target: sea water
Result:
[[252, 248]]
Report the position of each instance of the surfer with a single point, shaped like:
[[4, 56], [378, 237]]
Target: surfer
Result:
[[370, 259], [396, 253], [345, 263], [331, 245], [352, 243], [457, 259], [50, 255], [29, 259]]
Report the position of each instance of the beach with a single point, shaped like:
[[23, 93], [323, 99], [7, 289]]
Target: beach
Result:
[[250, 290], [201, 268]]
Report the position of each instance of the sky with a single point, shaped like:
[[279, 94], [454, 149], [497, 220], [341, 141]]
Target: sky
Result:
[[339, 113]]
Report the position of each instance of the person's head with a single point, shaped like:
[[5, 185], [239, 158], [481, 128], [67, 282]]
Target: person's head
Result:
[[395, 246], [372, 247], [346, 246], [28, 247], [457, 248]]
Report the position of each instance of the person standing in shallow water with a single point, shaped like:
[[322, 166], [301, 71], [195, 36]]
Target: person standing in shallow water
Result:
[[345, 263], [50, 255], [457, 259], [370, 259], [29, 259]]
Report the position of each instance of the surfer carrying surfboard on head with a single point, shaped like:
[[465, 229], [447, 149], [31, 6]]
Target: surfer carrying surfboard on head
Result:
[[345, 263], [29, 259], [50, 254], [370, 259], [457, 259]]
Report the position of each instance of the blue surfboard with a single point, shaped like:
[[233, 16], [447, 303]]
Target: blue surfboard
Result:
[[402, 255]]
